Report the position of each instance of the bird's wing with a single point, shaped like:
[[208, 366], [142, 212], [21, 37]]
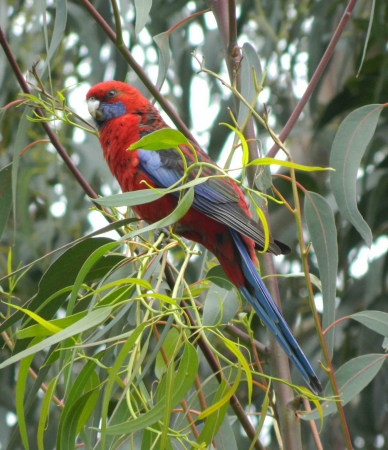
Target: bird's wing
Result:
[[218, 198]]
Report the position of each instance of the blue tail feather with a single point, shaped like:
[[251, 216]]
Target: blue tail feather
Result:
[[268, 312]]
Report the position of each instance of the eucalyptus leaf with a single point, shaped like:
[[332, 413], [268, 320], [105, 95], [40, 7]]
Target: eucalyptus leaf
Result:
[[321, 225], [349, 146], [351, 378]]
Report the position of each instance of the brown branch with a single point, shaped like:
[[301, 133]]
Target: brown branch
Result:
[[215, 367], [126, 54], [315, 78], [52, 136]]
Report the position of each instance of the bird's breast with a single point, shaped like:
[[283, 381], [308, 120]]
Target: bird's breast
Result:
[[116, 137]]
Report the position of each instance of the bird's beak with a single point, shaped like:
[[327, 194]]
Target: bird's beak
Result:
[[94, 109]]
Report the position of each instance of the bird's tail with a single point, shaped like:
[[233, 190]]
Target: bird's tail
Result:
[[258, 296]]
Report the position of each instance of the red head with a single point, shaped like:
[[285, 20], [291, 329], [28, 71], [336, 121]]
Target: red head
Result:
[[111, 99]]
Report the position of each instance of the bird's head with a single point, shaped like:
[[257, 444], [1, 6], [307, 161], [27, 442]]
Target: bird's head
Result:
[[111, 99]]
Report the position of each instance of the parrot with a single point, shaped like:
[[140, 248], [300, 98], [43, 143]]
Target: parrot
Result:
[[219, 218]]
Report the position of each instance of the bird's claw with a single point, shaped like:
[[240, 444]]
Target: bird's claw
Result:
[[158, 232]]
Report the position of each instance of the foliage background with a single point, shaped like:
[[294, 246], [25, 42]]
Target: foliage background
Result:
[[52, 210]]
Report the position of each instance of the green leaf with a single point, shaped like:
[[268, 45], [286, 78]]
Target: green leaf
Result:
[[131, 198], [291, 165], [169, 348], [51, 329], [66, 438], [20, 390], [143, 8], [220, 308], [375, 320], [93, 319], [160, 140], [61, 274], [250, 63], [225, 399], [350, 143], [214, 421], [323, 233], [217, 275], [351, 378], [20, 142], [184, 379], [113, 374], [263, 416], [58, 32], [87, 382], [145, 195], [85, 269], [147, 439], [5, 195], [44, 412], [182, 208], [226, 439], [112, 226], [372, 12], [162, 41]]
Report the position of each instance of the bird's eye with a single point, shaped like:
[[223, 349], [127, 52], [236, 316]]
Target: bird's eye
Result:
[[111, 93]]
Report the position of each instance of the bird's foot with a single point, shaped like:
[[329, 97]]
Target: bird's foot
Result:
[[162, 236]]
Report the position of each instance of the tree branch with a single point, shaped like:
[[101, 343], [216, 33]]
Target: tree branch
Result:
[[314, 79], [126, 54]]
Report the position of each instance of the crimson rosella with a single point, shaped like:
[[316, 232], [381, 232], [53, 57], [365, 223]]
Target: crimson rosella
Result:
[[219, 218]]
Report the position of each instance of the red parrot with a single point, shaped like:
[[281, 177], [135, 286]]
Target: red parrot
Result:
[[219, 218]]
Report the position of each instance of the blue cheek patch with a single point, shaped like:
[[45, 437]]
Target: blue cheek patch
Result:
[[113, 110]]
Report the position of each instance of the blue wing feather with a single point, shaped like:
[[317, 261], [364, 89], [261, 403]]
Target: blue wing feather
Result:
[[216, 197], [269, 313]]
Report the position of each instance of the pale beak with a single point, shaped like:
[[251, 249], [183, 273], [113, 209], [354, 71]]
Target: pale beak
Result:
[[93, 107]]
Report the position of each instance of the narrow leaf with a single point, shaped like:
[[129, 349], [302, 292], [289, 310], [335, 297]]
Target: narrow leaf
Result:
[[214, 421], [225, 399], [277, 162], [145, 195], [93, 319], [182, 208], [44, 413], [160, 140], [112, 226], [163, 42], [143, 8], [350, 143], [58, 32], [250, 69], [66, 439], [323, 233], [5, 195], [62, 273], [184, 379], [19, 398], [50, 327], [237, 353], [113, 374], [372, 12], [351, 378], [375, 320], [20, 141]]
